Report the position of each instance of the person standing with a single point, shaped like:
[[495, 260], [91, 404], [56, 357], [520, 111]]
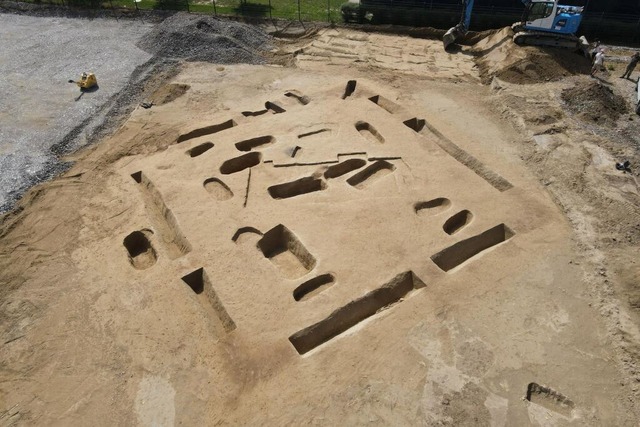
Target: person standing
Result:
[[598, 62], [632, 65], [594, 50]]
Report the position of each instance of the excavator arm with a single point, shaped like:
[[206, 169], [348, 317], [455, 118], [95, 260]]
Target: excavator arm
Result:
[[461, 29], [544, 23]]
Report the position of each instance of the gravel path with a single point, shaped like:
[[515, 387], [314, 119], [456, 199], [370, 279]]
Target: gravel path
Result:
[[38, 108], [42, 116]]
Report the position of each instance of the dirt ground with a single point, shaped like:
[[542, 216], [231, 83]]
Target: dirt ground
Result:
[[380, 233]]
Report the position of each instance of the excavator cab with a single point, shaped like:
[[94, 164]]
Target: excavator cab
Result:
[[544, 15]]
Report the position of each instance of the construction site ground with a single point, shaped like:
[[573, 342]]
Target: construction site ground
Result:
[[363, 230]]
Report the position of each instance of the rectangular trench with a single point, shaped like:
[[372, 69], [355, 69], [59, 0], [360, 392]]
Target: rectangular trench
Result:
[[163, 219], [201, 285], [355, 312], [456, 254]]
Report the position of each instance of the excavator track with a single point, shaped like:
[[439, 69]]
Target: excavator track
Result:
[[542, 38]]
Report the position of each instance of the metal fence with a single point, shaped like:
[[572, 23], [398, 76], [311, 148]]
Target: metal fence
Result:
[[609, 27]]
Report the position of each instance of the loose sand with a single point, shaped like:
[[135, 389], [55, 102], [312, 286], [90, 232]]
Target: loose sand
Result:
[[371, 236]]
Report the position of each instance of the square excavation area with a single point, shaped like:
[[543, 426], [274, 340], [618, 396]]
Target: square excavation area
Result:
[[378, 266]]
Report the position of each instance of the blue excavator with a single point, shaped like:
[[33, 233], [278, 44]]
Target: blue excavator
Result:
[[544, 23]]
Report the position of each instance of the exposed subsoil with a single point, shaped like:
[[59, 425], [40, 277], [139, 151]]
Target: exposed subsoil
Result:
[[544, 65], [159, 280], [169, 92], [498, 56]]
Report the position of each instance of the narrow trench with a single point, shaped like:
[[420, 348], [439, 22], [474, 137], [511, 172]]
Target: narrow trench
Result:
[[201, 285], [372, 173], [163, 219], [207, 130], [456, 254], [355, 312], [344, 168]]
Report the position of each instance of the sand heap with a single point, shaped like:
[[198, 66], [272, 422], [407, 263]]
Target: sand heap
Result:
[[499, 56], [595, 102], [208, 39]]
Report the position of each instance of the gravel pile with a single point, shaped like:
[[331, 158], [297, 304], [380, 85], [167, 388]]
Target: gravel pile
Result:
[[595, 102], [208, 39]]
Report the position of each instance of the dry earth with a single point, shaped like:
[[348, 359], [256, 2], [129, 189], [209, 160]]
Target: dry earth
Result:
[[372, 235]]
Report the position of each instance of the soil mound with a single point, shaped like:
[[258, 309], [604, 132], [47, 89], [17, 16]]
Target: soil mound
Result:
[[595, 102], [168, 93], [498, 56], [208, 39]]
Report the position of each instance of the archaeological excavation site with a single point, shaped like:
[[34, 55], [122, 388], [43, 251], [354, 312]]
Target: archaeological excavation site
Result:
[[323, 226]]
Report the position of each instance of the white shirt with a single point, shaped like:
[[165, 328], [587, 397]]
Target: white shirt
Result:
[[599, 58]]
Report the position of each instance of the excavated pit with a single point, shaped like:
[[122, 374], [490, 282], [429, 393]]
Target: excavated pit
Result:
[[298, 187], [313, 287], [142, 255], [456, 254], [207, 130], [199, 150], [201, 285], [384, 103], [369, 133], [218, 189], [344, 168], [355, 312], [250, 144], [286, 252], [432, 207], [457, 222], [550, 399], [371, 174], [240, 163]]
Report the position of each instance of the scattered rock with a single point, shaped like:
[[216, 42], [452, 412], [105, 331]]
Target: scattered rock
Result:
[[207, 39], [595, 102]]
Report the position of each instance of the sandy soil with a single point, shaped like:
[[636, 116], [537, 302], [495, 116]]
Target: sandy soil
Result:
[[372, 237]]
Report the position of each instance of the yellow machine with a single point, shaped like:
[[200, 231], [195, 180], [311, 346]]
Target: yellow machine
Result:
[[87, 81]]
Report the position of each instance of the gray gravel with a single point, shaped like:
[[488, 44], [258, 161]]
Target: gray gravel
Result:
[[42, 116], [206, 38], [38, 107]]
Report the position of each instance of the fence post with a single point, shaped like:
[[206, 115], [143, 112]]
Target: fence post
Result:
[[215, 9], [329, 11], [299, 19]]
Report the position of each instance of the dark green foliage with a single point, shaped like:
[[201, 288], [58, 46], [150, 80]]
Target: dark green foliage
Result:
[[172, 4]]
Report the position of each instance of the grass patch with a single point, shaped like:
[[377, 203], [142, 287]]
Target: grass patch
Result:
[[309, 10]]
